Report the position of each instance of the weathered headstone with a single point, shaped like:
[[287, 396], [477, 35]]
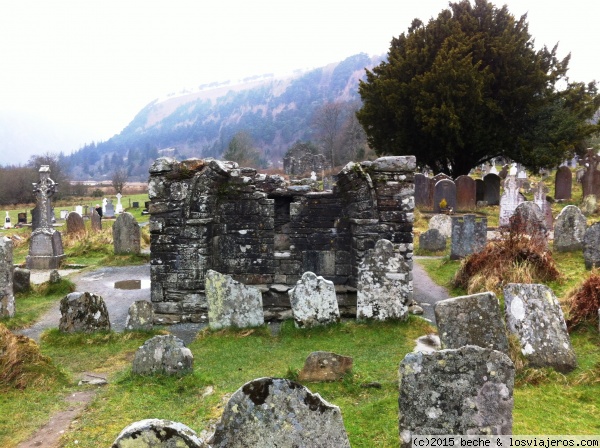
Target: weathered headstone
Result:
[[462, 391], [75, 224], [165, 355], [54, 277], [45, 244], [95, 220], [231, 303], [83, 312], [325, 366], [442, 223], [21, 280], [126, 234], [109, 211], [440, 176], [156, 433], [509, 201], [270, 412], [569, 229], [590, 205], [313, 301], [471, 320], [491, 193], [382, 292], [444, 192], [423, 192], [591, 246], [534, 315], [539, 197], [469, 235], [432, 241], [22, 218], [563, 183], [590, 181], [466, 193], [528, 219], [140, 316], [479, 190], [36, 217], [7, 296]]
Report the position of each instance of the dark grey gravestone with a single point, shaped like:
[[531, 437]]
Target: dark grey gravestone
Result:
[[479, 190], [423, 192], [466, 193], [157, 433], [75, 224], [432, 241], [591, 246], [36, 218], [126, 234], [21, 280], [7, 295], [140, 316], [455, 392], [469, 235], [534, 315], [528, 219], [471, 320], [96, 221], [569, 229], [563, 183], [270, 412], [22, 218], [491, 192], [83, 312], [165, 355], [444, 189]]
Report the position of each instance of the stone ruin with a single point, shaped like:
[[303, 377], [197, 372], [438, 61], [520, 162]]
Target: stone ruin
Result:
[[298, 164], [209, 214]]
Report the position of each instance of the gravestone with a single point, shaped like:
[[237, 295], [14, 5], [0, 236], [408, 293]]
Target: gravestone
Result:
[[471, 320], [140, 316], [442, 223], [119, 207], [165, 355], [509, 201], [79, 210], [83, 312], [313, 301], [479, 190], [432, 241], [539, 197], [440, 176], [21, 280], [75, 224], [590, 205], [444, 189], [126, 234], [325, 366], [96, 221], [22, 218], [469, 236], [563, 183], [528, 219], [7, 223], [157, 433], [104, 203], [466, 193], [491, 192], [590, 181], [45, 244], [569, 230], [109, 211], [591, 246], [7, 296], [533, 314], [63, 214], [36, 218], [462, 391], [423, 192], [135, 204], [273, 412], [231, 303], [382, 290]]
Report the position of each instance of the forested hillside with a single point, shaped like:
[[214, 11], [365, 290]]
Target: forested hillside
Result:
[[316, 106]]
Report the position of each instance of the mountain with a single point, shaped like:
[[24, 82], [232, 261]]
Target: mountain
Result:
[[275, 112]]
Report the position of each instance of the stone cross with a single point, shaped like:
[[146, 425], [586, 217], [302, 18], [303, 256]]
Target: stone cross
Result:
[[119, 207], [44, 190], [104, 202], [313, 175]]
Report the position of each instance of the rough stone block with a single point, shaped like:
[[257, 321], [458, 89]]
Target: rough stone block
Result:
[[313, 301], [166, 355], [83, 312], [155, 433], [432, 240], [325, 366]]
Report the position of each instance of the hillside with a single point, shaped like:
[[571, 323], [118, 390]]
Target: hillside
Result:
[[274, 112]]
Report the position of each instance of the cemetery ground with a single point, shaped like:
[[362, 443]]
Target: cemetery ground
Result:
[[546, 402]]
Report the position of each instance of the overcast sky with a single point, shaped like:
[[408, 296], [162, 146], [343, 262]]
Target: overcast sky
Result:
[[91, 65]]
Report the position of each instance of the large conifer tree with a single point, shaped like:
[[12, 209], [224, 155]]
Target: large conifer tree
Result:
[[470, 86]]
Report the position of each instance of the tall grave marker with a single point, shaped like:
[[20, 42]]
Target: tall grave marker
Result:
[[45, 247], [466, 193], [563, 183], [491, 192]]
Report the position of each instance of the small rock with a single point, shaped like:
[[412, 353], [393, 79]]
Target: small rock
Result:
[[325, 366]]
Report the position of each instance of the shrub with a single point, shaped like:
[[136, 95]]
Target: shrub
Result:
[[584, 302]]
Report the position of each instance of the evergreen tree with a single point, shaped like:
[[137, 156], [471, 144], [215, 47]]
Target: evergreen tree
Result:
[[469, 86]]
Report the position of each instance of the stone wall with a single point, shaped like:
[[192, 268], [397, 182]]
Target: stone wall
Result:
[[209, 214]]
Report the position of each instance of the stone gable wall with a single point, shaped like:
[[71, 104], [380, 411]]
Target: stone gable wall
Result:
[[208, 214]]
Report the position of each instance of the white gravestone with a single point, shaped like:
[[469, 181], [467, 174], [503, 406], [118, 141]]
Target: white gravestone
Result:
[[119, 206], [7, 223], [79, 210], [104, 202]]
